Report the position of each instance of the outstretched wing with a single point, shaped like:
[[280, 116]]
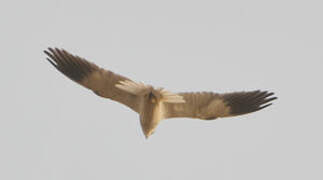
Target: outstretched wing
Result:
[[102, 82], [208, 105]]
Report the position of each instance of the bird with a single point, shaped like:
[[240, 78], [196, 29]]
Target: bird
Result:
[[156, 104]]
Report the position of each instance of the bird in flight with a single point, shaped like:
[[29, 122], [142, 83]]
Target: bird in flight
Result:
[[155, 104]]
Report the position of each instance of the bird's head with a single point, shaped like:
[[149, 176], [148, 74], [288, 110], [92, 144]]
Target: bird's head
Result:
[[150, 114], [152, 108], [150, 102]]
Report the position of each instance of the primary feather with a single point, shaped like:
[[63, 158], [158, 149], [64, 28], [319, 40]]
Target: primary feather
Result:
[[155, 104]]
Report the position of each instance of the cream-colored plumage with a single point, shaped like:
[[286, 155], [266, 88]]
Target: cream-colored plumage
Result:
[[154, 104]]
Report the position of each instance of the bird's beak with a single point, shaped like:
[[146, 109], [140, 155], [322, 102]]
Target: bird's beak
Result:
[[149, 134]]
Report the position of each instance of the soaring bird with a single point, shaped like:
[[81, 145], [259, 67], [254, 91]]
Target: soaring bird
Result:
[[155, 104]]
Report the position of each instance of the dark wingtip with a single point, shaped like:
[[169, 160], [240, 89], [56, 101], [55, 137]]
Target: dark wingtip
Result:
[[74, 67], [248, 102], [50, 61], [46, 52]]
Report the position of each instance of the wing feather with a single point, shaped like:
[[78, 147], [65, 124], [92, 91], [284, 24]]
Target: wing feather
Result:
[[208, 105], [102, 82]]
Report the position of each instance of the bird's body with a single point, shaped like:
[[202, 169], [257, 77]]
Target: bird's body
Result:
[[154, 104]]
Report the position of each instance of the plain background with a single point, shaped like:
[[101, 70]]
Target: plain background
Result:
[[52, 128]]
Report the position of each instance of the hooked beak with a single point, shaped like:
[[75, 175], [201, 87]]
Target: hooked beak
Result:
[[149, 134]]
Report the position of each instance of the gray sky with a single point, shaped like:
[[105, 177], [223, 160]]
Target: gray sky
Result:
[[52, 128]]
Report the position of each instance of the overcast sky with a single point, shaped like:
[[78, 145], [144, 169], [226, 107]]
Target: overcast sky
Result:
[[52, 128]]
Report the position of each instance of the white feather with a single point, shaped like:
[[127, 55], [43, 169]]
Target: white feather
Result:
[[139, 88], [170, 97], [133, 87]]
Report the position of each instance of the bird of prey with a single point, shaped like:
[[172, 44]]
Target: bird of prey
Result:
[[155, 104]]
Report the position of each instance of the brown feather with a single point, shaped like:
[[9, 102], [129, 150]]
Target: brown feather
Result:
[[208, 105], [101, 82], [155, 104], [247, 102]]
